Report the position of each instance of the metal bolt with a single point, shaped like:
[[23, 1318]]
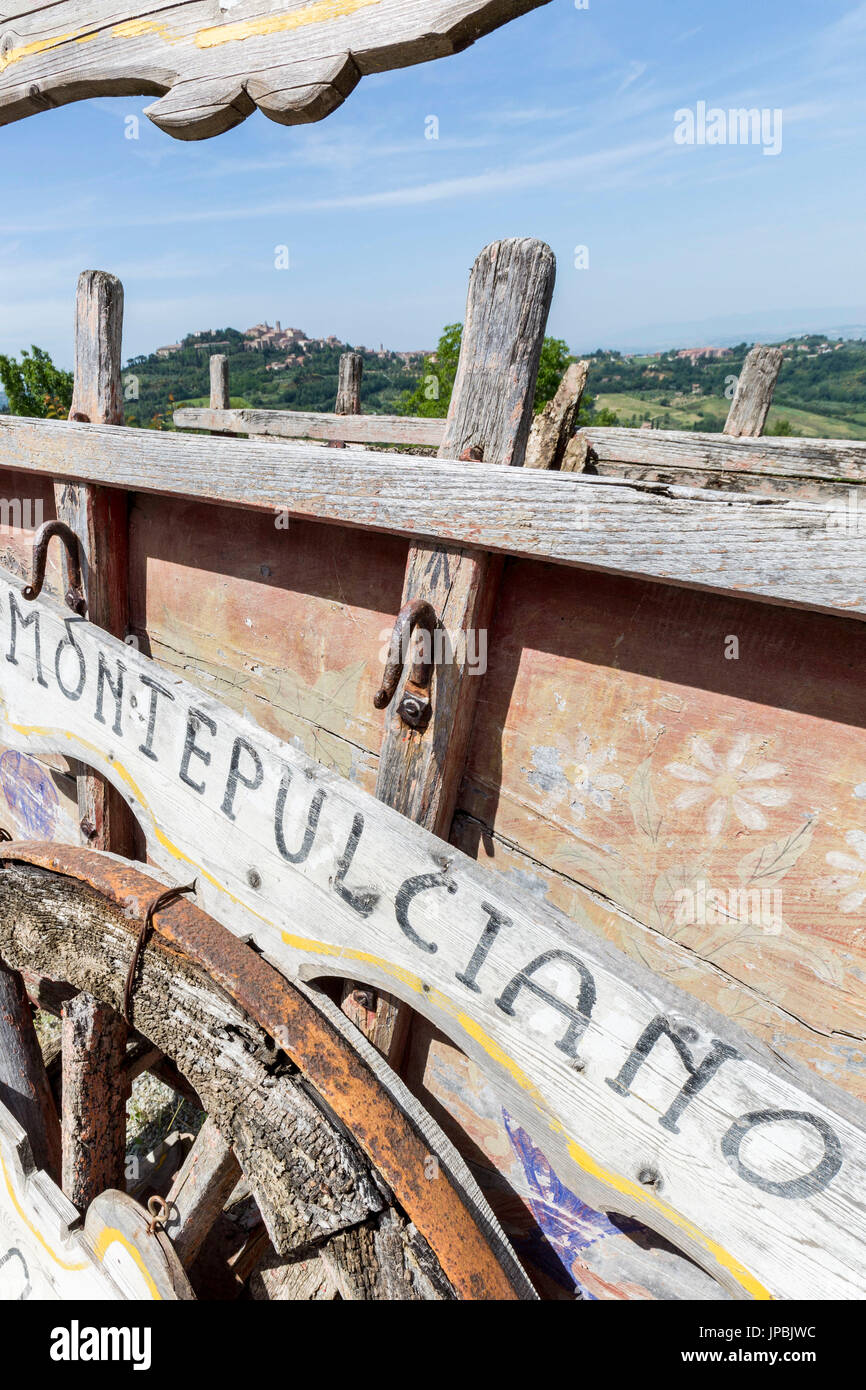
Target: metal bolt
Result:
[[364, 999], [415, 711], [254, 878], [650, 1177]]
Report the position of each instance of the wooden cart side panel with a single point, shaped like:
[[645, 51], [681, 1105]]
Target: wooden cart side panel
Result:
[[699, 762], [286, 623]]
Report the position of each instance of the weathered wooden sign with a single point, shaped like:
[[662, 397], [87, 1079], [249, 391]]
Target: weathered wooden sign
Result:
[[212, 62], [46, 1252], [645, 1102]]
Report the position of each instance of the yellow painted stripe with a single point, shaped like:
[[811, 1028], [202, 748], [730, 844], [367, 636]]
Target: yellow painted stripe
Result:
[[107, 1237], [214, 36], [64, 1264], [321, 12], [636, 1191]]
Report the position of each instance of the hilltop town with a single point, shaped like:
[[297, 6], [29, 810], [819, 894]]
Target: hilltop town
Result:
[[262, 337]]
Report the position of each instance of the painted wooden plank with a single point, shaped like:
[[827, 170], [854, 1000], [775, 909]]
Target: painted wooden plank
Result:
[[755, 390], [48, 1253], [568, 1249], [295, 60], [792, 552], [645, 1102], [298, 424]]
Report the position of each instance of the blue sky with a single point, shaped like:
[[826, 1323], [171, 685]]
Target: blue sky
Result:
[[559, 125]]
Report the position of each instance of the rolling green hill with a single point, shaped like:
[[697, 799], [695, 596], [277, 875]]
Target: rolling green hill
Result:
[[821, 390], [155, 386]]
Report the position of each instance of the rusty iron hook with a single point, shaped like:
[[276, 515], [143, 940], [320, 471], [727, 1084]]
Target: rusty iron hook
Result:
[[75, 593], [415, 708], [171, 895]]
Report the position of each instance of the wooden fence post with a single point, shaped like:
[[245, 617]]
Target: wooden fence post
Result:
[[94, 1037], [24, 1086], [219, 387], [489, 417], [348, 390], [754, 394], [349, 385]]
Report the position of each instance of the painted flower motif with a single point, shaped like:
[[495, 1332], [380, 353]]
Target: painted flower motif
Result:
[[727, 786], [591, 783], [852, 880]]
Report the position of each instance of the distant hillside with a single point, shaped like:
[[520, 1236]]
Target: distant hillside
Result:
[[269, 369], [821, 390]]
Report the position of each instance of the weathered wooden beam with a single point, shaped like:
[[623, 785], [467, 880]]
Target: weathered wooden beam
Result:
[[211, 68], [24, 1086], [383, 1019], [94, 1037], [296, 424], [94, 1099], [786, 550], [489, 415], [754, 394], [839, 461], [553, 427], [200, 1191], [98, 516]]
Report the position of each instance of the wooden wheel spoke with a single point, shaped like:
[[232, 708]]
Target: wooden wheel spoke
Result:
[[200, 1191], [24, 1086], [94, 1099], [311, 1189]]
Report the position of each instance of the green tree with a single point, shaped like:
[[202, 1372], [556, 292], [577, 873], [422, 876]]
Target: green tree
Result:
[[554, 359], [35, 386], [782, 427], [432, 394]]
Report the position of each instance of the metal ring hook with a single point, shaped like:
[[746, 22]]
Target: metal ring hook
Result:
[[416, 613], [75, 593]]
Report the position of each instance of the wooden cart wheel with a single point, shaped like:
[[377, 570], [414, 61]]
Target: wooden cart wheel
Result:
[[349, 1190]]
